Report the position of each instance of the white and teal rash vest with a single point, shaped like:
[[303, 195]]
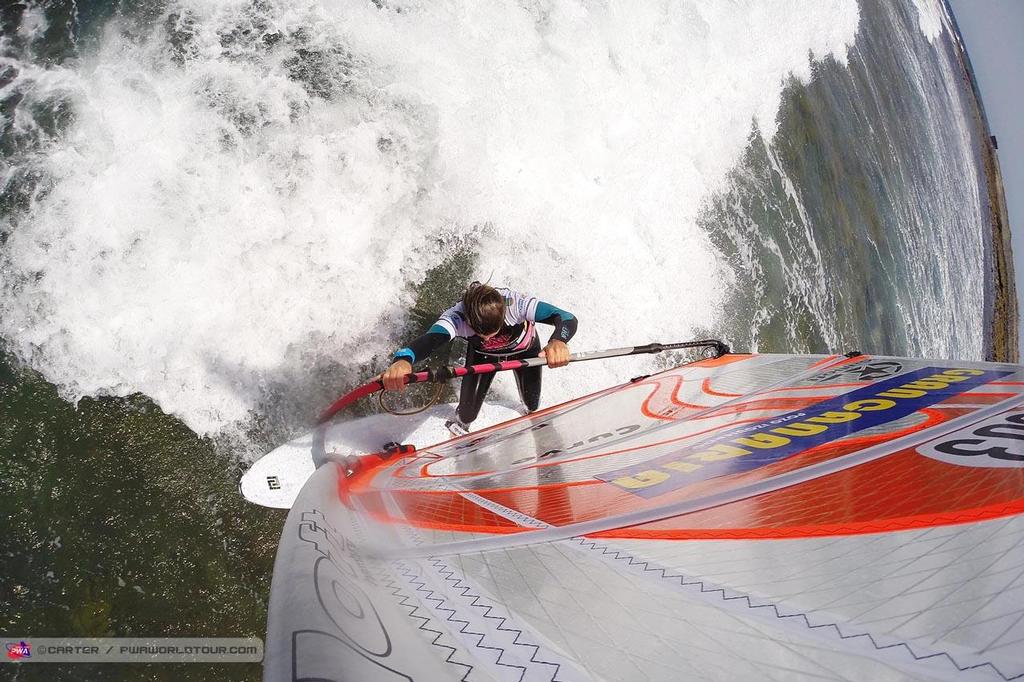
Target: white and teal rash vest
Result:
[[522, 312]]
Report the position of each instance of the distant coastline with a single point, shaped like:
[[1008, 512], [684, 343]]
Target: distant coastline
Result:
[[1001, 314]]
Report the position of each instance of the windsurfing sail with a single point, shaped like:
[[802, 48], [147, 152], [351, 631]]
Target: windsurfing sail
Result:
[[744, 517]]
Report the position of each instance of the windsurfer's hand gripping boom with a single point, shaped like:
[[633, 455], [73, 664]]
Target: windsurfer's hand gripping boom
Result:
[[394, 376], [556, 353]]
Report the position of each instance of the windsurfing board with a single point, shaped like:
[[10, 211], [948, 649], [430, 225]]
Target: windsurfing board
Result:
[[275, 479]]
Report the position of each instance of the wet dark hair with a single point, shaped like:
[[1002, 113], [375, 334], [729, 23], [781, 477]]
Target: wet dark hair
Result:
[[484, 307]]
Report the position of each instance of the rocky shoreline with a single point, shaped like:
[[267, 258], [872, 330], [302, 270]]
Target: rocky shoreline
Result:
[[1002, 314], [1003, 342]]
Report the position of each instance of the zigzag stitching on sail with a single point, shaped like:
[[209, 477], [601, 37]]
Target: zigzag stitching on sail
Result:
[[406, 602], [457, 583], [428, 594], [413, 607], [443, 568], [645, 565]]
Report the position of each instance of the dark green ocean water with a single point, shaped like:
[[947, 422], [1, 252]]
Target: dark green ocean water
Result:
[[848, 230]]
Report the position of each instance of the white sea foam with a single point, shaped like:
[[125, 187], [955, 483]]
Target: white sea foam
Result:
[[214, 221], [33, 23], [930, 17]]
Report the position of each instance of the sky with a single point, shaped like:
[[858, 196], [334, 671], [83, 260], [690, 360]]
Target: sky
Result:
[[993, 33]]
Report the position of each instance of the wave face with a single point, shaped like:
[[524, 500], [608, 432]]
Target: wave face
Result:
[[860, 221], [204, 201]]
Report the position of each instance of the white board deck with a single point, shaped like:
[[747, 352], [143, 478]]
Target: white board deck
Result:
[[275, 479]]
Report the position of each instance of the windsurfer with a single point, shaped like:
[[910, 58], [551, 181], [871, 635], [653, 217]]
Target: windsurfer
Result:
[[498, 324]]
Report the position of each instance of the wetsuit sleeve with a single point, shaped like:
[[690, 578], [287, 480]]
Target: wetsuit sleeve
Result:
[[564, 321], [424, 345]]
